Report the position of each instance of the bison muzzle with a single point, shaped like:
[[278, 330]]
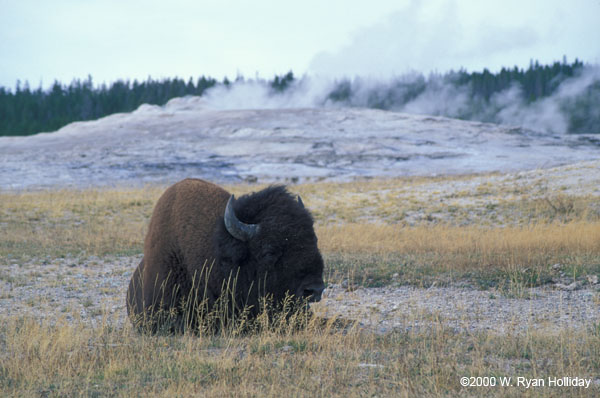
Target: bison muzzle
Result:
[[203, 244]]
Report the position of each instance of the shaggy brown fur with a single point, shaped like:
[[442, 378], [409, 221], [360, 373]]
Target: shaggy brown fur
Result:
[[190, 256], [178, 245]]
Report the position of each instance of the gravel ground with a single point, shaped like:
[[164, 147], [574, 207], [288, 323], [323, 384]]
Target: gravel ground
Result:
[[91, 289], [407, 308]]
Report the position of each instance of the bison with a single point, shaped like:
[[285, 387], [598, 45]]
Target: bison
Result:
[[203, 244]]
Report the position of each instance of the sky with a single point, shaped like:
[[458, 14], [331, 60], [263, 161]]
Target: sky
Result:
[[42, 41]]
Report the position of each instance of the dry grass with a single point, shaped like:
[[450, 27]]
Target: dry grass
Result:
[[74, 359], [55, 223], [114, 220], [359, 231], [573, 237], [375, 232], [510, 258]]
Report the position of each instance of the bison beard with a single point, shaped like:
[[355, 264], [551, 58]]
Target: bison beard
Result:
[[205, 251]]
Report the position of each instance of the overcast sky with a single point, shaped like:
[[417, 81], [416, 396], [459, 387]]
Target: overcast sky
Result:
[[41, 41]]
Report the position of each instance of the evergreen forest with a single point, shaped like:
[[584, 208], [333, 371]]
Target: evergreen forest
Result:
[[24, 110]]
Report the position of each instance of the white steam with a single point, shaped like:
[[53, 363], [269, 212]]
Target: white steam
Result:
[[546, 114], [412, 93], [258, 94]]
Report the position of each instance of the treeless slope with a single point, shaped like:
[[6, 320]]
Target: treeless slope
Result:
[[185, 138]]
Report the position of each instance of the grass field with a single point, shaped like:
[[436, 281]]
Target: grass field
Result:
[[504, 235], [74, 360], [358, 228]]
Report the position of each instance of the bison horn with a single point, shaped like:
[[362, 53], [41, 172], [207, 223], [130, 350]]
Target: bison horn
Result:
[[235, 227], [300, 201]]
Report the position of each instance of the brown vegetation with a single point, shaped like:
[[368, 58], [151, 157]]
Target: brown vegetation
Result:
[[478, 234]]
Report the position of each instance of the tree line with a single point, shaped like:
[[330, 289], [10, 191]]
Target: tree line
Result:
[[27, 111], [477, 95], [536, 82]]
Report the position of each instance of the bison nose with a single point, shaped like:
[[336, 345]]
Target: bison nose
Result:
[[313, 292]]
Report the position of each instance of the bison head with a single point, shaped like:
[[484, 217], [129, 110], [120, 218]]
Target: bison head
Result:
[[267, 239]]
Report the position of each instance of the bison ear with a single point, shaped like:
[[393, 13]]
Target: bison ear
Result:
[[300, 201], [235, 227]]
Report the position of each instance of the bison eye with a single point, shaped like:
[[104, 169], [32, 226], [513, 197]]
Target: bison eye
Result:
[[270, 257]]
